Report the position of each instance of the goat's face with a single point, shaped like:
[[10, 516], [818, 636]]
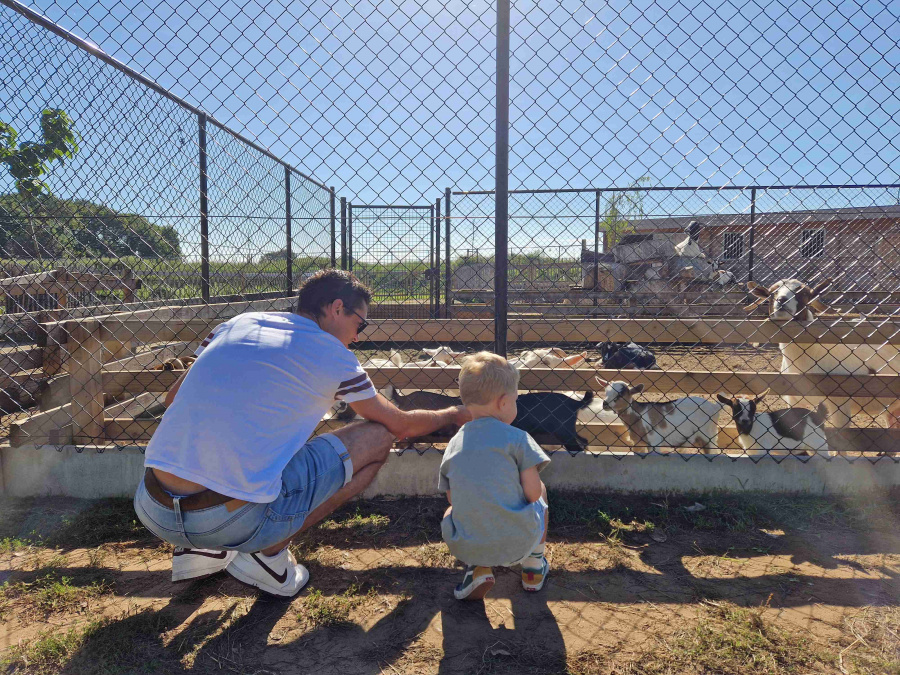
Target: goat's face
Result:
[[789, 299], [618, 395], [743, 410]]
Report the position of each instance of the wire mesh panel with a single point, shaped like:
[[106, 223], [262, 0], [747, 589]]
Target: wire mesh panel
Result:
[[704, 206], [393, 250]]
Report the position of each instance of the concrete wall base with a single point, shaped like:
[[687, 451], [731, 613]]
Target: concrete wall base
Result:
[[37, 471]]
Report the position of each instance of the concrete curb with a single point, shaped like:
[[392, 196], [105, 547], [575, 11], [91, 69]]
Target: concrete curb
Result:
[[37, 471]]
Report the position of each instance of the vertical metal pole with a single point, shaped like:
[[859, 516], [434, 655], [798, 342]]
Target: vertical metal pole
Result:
[[447, 270], [501, 194], [350, 236], [596, 284], [287, 227], [343, 233], [752, 231], [333, 253], [204, 212], [431, 257], [437, 258]]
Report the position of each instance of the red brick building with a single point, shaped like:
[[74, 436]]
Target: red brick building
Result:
[[859, 246]]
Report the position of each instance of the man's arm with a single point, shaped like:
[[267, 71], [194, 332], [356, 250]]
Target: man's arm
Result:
[[170, 395], [409, 424]]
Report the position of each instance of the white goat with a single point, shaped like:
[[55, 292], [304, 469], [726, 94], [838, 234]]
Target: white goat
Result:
[[778, 431], [549, 357], [792, 299], [685, 422]]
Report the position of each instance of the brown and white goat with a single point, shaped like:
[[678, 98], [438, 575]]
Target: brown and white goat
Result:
[[793, 299], [689, 422]]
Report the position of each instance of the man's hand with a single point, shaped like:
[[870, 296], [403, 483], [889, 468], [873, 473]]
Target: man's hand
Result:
[[409, 424]]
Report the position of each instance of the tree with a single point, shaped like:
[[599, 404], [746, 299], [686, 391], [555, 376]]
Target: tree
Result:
[[621, 210], [28, 162]]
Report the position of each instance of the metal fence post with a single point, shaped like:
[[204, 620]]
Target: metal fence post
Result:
[[437, 258], [432, 254], [331, 204], [447, 270], [350, 236], [343, 233], [287, 226], [204, 211], [752, 232], [501, 198], [596, 284]]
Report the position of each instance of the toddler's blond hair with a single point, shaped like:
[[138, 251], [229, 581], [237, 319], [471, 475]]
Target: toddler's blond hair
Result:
[[485, 377]]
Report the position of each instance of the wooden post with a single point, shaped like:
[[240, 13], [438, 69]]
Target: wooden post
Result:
[[85, 365]]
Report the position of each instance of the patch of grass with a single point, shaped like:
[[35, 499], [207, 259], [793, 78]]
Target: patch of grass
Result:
[[726, 640], [51, 594], [358, 520], [107, 520], [875, 647], [47, 653], [13, 544], [320, 610]]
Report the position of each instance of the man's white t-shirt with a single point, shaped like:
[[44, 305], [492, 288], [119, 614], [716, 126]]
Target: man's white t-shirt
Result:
[[260, 385]]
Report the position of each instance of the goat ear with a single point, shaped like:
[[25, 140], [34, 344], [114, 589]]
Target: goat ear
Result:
[[821, 287], [725, 399], [636, 389], [757, 290], [761, 396], [433, 352], [756, 303], [602, 383]]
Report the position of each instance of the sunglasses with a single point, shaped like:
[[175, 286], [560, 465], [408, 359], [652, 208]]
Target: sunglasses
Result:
[[361, 327]]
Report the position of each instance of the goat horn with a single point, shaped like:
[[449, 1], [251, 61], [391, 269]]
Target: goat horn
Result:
[[818, 305]]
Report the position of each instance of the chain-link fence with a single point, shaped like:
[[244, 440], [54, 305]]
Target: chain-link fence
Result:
[[177, 203]]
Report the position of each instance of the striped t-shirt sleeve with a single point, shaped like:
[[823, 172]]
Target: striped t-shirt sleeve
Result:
[[356, 388], [205, 342]]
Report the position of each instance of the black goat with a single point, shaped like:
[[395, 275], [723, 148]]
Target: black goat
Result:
[[552, 414], [621, 356]]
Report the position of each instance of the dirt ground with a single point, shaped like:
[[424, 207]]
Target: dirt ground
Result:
[[639, 584]]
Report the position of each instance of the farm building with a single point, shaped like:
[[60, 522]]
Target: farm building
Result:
[[861, 246]]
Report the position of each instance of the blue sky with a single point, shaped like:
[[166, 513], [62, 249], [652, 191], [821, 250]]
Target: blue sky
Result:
[[391, 102]]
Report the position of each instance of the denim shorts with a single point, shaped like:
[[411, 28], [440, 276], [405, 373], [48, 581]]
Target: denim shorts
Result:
[[315, 473]]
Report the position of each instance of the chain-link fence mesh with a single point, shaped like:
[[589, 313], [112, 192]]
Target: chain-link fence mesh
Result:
[[182, 207]]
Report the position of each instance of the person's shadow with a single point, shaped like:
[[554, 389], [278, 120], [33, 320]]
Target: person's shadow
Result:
[[528, 639]]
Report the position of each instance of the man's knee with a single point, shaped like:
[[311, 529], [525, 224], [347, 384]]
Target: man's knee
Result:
[[366, 440]]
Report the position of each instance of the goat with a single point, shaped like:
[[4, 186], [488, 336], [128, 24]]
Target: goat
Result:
[[780, 430], [424, 400], [552, 414], [619, 356], [792, 299], [177, 364], [685, 422], [551, 357], [441, 356], [395, 360]]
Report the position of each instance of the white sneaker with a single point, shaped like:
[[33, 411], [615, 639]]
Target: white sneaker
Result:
[[279, 574], [192, 563]]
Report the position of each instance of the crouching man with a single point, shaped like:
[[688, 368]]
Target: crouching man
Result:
[[231, 473]]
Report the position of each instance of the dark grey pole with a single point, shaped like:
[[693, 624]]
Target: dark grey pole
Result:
[[752, 232], [350, 236], [501, 197], [343, 233], [204, 212], [432, 254], [333, 227], [287, 226], [438, 221], [447, 270], [596, 284]]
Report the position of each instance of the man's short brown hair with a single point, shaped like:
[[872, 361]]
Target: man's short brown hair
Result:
[[485, 377], [326, 286]]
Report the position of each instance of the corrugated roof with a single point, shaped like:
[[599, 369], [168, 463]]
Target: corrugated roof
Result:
[[680, 223]]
